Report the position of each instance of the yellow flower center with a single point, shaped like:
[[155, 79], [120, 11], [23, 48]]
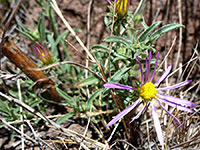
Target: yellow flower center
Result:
[[42, 54], [147, 91]]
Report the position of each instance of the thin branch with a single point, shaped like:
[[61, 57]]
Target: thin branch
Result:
[[180, 33], [72, 63], [79, 53]]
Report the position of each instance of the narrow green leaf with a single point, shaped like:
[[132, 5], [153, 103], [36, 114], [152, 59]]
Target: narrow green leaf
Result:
[[93, 97], [148, 31], [54, 49], [35, 103], [99, 51], [140, 7], [23, 27], [1, 126], [119, 74], [145, 25], [26, 34], [100, 47], [65, 95], [106, 21], [89, 81], [117, 39], [41, 27], [4, 107], [163, 30], [121, 57], [64, 118], [60, 37]]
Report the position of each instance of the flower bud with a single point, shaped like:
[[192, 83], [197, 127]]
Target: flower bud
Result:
[[42, 53], [121, 7]]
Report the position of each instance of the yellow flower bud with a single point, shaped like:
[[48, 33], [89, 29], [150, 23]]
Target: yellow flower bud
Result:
[[121, 8]]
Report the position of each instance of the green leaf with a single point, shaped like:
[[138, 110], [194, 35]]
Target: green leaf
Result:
[[106, 47], [35, 103], [3, 125], [119, 74], [23, 27], [140, 7], [99, 51], [4, 107], [145, 25], [106, 21], [89, 81], [120, 57], [65, 117], [41, 27], [53, 45], [117, 39], [65, 96], [60, 37], [148, 31], [93, 97], [27, 34], [163, 30]]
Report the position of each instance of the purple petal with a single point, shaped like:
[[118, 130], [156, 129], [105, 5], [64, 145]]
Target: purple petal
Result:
[[175, 86], [45, 49], [157, 125], [34, 49], [147, 71], [164, 75], [177, 100], [178, 106], [38, 50], [142, 76], [37, 44], [118, 86], [155, 67], [139, 114], [172, 116], [109, 2], [123, 113], [148, 67]]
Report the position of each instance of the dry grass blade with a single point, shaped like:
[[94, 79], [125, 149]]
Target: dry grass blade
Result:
[[180, 33], [11, 77], [21, 114], [57, 10]]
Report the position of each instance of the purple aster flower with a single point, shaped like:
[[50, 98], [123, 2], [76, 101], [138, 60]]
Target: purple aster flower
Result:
[[42, 53], [149, 92]]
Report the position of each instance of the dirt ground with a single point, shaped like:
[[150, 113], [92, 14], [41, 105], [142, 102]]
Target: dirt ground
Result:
[[76, 13]]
